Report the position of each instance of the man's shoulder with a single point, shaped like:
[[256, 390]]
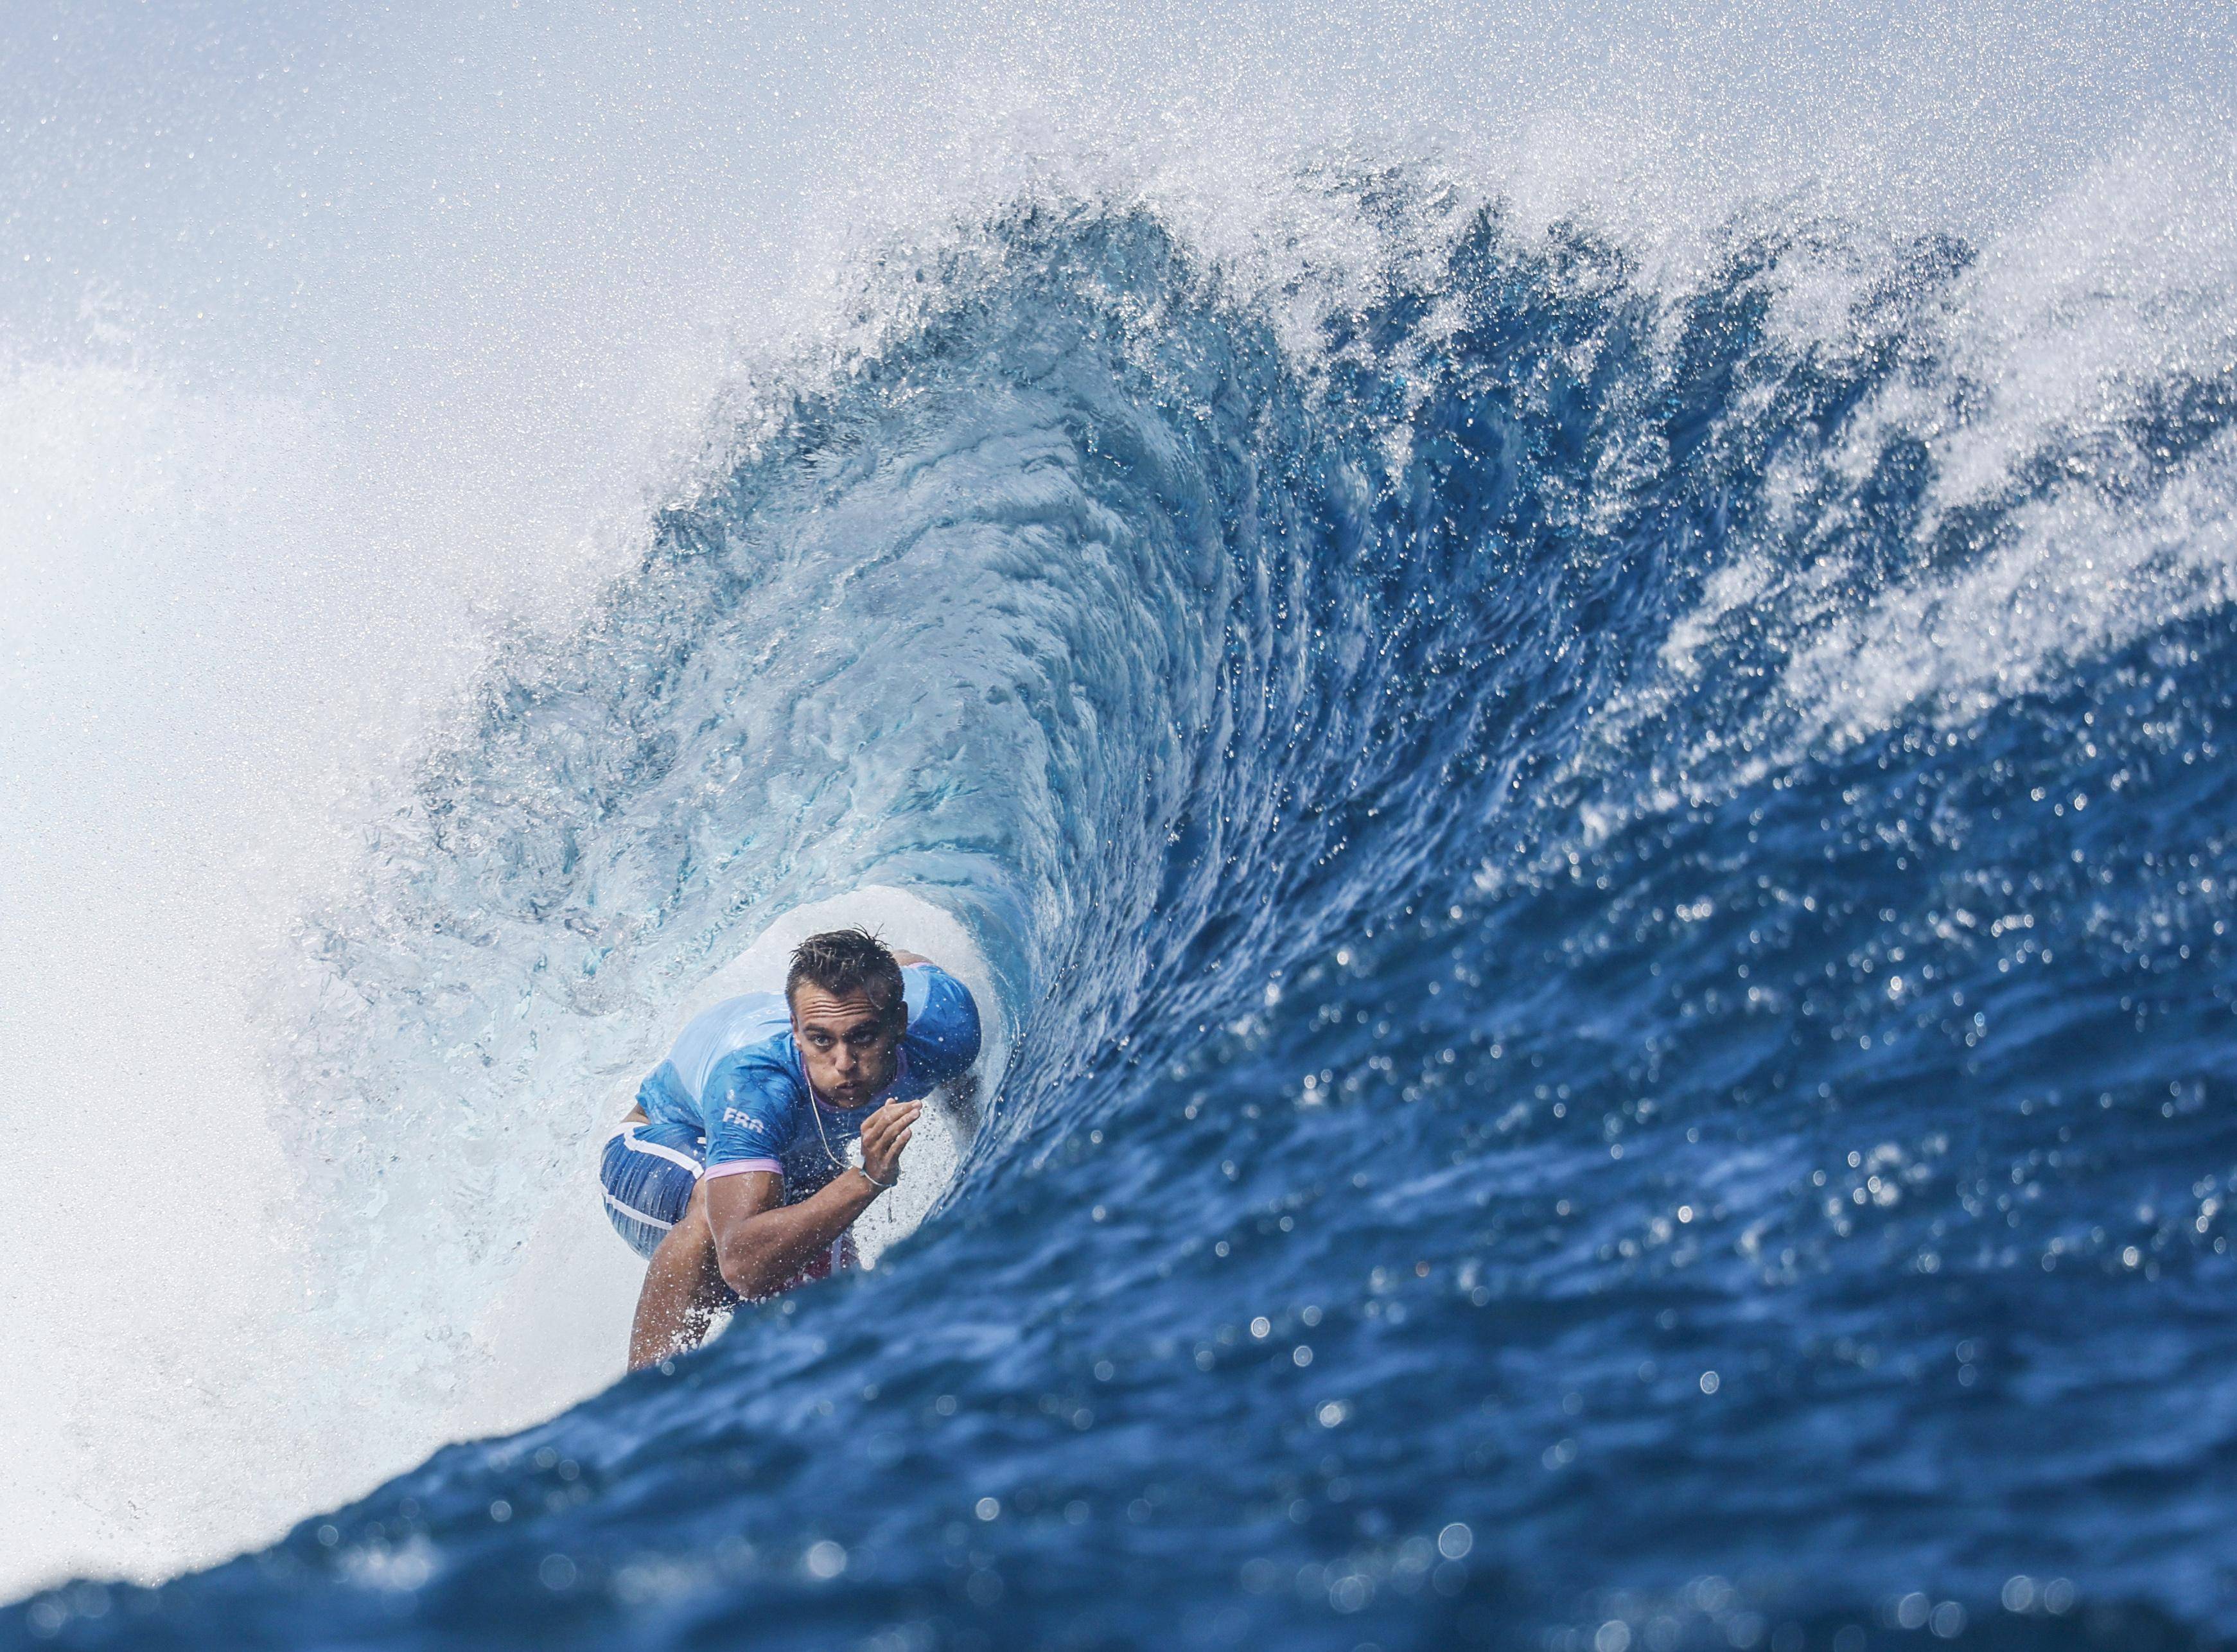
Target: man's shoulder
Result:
[[766, 1070], [753, 1102]]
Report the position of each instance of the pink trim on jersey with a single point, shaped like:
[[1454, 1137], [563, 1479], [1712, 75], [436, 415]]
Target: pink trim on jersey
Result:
[[738, 1166]]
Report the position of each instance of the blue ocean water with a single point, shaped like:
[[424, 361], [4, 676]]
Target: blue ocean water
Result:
[[1568, 1092]]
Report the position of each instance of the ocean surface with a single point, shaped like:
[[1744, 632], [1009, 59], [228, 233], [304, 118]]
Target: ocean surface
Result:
[[1612, 882]]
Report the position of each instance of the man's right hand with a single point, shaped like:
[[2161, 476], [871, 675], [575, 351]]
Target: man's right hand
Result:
[[885, 1133]]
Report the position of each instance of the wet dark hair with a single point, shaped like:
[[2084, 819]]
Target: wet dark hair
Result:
[[848, 960]]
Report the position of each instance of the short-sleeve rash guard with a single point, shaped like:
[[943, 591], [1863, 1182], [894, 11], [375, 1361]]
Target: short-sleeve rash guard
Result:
[[737, 1072]]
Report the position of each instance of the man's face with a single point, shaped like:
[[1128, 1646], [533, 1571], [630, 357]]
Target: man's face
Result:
[[848, 1048]]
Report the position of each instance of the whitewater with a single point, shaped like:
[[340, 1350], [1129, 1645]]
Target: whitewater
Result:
[[1568, 673]]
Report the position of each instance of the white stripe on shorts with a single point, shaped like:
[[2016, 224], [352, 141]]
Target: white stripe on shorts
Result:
[[628, 1133], [636, 1215]]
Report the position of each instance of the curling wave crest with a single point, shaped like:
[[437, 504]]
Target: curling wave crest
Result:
[[1613, 890]]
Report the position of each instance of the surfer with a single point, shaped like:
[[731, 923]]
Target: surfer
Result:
[[730, 1174]]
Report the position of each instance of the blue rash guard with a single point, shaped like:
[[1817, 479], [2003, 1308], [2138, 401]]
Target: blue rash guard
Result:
[[733, 1096]]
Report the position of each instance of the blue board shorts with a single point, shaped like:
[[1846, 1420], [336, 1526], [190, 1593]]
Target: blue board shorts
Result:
[[647, 1172]]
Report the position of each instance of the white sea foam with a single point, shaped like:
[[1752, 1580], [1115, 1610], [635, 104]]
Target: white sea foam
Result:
[[2038, 373], [2070, 332]]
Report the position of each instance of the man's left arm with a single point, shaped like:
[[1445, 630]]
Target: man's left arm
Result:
[[761, 1243]]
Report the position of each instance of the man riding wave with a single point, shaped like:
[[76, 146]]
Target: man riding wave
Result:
[[730, 1174]]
